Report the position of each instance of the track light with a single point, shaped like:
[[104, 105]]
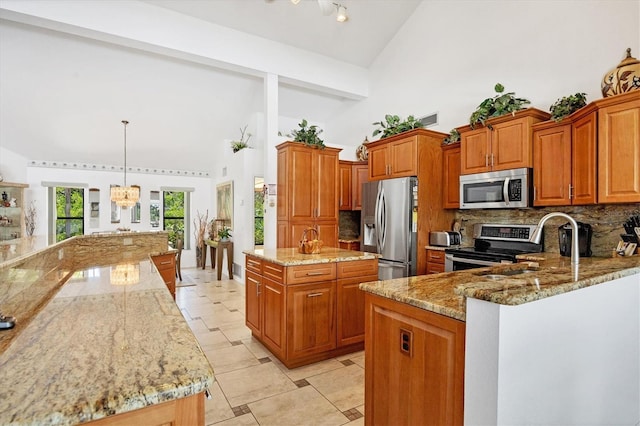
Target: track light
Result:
[[342, 13]]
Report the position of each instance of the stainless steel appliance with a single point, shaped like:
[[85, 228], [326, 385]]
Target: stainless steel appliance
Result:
[[389, 225], [493, 244], [444, 238], [496, 190]]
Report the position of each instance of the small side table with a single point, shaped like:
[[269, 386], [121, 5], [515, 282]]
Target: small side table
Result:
[[217, 256]]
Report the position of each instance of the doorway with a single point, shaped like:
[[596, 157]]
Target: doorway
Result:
[[258, 209]]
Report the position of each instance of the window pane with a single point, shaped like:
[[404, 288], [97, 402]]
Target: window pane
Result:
[[66, 228], [69, 212], [154, 209], [173, 220]]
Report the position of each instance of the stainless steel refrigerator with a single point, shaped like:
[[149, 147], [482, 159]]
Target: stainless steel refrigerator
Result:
[[389, 225]]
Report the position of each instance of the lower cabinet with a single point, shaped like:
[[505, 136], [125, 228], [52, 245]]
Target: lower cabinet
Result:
[[166, 266], [306, 313], [435, 261], [349, 245], [414, 365]]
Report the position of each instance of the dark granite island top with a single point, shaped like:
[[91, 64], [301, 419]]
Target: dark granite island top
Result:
[[94, 346]]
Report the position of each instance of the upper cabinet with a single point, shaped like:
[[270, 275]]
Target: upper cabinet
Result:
[[451, 176], [564, 160], [307, 193], [359, 175], [12, 210], [504, 143], [345, 186], [619, 148], [393, 157]]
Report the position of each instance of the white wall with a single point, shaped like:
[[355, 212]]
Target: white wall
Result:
[[571, 359], [450, 54]]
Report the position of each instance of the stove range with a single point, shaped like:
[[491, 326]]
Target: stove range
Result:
[[493, 244]]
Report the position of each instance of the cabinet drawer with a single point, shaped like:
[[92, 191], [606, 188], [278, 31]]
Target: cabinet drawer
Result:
[[357, 268], [165, 261], [167, 275], [434, 268], [311, 273], [273, 271], [435, 256], [254, 264]]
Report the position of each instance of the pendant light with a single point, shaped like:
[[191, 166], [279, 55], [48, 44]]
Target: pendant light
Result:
[[125, 196]]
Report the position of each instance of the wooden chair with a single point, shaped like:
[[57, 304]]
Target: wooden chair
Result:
[[179, 246]]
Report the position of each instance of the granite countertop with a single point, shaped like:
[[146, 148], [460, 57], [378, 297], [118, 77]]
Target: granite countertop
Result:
[[94, 348], [291, 256], [446, 293]]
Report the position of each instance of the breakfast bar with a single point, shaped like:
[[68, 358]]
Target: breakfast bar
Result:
[[98, 336]]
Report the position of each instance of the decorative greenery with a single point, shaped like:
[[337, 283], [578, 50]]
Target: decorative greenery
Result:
[[500, 104], [242, 143], [224, 233], [392, 125], [200, 227], [454, 136], [308, 135], [567, 105]]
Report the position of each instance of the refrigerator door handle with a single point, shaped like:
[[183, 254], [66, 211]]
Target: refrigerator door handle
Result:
[[380, 218]]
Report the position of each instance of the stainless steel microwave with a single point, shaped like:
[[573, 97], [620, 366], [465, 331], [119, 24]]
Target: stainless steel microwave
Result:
[[505, 189]]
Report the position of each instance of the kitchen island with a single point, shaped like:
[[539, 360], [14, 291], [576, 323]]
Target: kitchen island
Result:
[[514, 344], [98, 336], [307, 307]]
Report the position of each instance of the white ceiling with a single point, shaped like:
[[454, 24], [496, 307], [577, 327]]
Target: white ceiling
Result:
[[371, 25]]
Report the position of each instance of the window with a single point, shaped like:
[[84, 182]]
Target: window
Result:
[[173, 220], [154, 208], [258, 203], [69, 212]]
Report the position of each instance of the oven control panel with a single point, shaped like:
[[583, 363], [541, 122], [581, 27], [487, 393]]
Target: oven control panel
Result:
[[503, 232]]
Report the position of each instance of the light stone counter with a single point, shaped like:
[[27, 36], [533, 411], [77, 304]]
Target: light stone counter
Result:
[[89, 348], [291, 256], [446, 293]]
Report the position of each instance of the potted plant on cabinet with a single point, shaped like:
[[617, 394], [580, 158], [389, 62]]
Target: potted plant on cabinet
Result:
[[393, 124], [224, 234], [308, 135], [500, 104], [567, 105]]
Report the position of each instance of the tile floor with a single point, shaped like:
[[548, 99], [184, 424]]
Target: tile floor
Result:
[[252, 387]]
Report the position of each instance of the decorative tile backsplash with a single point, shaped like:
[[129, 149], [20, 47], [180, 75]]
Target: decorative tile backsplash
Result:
[[605, 220]]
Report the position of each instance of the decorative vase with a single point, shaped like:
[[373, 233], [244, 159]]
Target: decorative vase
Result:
[[623, 78], [199, 251], [361, 151]]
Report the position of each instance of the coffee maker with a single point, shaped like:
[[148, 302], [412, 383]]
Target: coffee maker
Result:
[[584, 239]]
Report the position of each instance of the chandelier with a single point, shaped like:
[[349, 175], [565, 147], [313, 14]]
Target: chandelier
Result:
[[125, 196]]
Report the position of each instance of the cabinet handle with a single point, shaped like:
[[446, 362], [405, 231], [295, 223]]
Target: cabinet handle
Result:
[[168, 262], [492, 160], [486, 160], [314, 294], [535, 193], [257, 289], [570, 191], [313, 274]]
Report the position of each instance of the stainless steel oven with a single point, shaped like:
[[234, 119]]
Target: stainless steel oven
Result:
[[496, 190], [493, 244]]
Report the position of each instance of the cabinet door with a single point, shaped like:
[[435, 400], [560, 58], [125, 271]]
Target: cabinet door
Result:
[[325, 186], [474, 151], [328, 233], [619, 153], [359, 175], [422, 356], [403, 157], [253, 305], [584, 167], [350, 310], [273, 325], [301, 183], [511, 145], [311, 315], [378, 161], [552, 166], [451, 176], [345, 195]]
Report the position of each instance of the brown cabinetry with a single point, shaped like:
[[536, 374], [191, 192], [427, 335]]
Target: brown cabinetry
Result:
[[12, 210], [619, 148], [451, 176], [306, 313], [564, 160], [350, 245], [504, 143], [166, 265], [345, 186], [435, 261], [307, 193], [415, 153], [414, 365]]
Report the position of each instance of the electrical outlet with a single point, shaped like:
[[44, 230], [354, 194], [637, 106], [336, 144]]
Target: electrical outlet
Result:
[[60, 254], [127, 241]]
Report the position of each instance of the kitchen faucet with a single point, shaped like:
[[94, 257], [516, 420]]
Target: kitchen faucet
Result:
[[537, 234]]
